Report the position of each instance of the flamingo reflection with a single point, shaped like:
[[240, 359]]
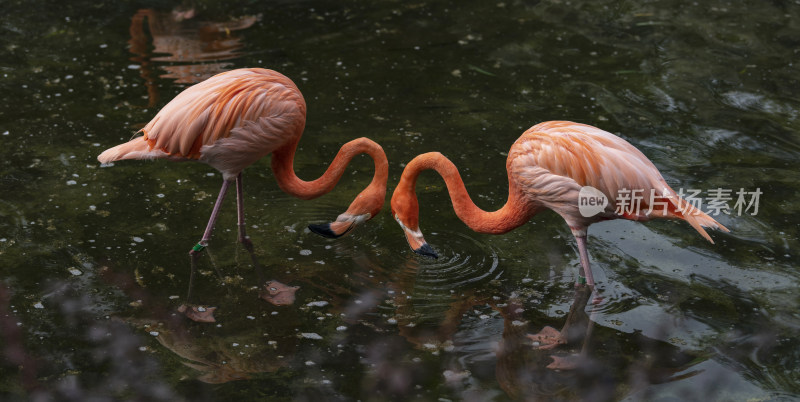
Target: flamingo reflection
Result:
[[187, 50]]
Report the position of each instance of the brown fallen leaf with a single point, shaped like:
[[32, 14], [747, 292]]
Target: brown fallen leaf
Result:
[[278, 294], [547, 338], [198, 313]]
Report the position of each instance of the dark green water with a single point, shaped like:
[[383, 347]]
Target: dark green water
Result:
[[93, 260]]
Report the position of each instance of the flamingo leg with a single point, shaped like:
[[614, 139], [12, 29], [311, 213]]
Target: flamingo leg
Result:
[[194, 253], [243, 238], [213, 219], [586, 270]]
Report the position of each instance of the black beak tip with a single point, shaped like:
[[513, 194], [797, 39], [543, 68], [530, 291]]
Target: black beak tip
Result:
[[323, 230], [427, 251]]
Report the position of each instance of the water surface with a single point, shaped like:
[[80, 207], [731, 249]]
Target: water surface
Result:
[[94, 259]]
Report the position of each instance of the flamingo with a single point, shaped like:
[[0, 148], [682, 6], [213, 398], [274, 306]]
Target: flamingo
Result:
[[234, 119], [551, 166]]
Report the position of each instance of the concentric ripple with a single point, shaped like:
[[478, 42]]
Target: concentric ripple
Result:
[[463, 261]]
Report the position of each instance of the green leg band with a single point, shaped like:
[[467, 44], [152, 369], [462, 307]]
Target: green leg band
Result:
[[198, 247], [581, 280]]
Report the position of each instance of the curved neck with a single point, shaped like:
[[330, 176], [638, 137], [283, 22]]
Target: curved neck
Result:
[[283, 161], [516, 211]]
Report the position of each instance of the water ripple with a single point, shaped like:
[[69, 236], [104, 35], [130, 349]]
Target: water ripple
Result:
[[463, 261]]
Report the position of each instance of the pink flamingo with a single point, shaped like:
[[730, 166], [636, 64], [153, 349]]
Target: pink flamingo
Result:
[[237, 117], [552, 165]]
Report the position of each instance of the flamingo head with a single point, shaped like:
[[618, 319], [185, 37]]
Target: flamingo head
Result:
[[366, 205], [405, 210], [343, 225]]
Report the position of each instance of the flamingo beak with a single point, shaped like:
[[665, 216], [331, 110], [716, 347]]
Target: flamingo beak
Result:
[[416, 241], [343, 225]]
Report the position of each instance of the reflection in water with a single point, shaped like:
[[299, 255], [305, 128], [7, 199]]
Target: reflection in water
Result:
[[189, 51], [564, 369], [214, 359], [574, 363], [592, 361], [588, 361]]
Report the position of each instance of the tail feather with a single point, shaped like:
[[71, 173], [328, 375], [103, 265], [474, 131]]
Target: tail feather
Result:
[[698, 223], [681, 209], [137, 148]]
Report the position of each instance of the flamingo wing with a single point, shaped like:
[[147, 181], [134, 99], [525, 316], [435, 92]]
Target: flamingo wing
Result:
[[212, 109], [228, 121]]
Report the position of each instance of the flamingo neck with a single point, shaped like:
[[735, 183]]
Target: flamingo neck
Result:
[[516, 211], [283, 167]]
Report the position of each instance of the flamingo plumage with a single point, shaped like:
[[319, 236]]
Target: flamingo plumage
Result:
[[234, 119], [548, 166]]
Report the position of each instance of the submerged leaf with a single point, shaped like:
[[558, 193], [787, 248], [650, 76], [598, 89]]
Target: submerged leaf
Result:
[[198, 313], [547, 338], [278, 294]]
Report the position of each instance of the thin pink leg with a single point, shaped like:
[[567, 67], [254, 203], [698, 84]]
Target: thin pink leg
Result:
[[194, 253], [213, 219], [240, 211], [586, 270]]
